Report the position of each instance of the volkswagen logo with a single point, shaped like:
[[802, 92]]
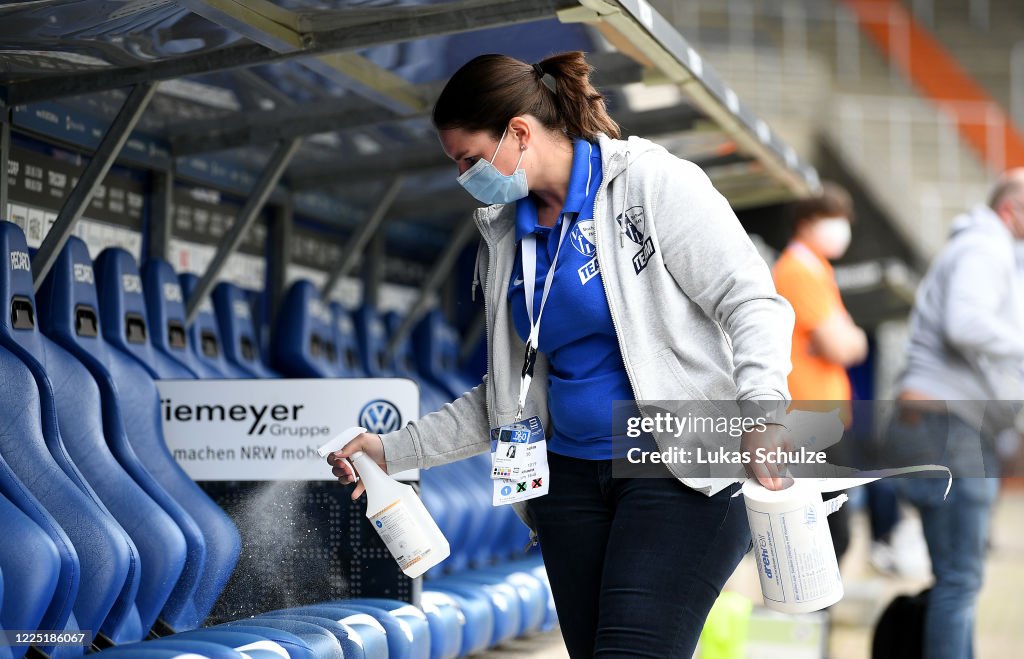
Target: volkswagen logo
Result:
[[380, 416]]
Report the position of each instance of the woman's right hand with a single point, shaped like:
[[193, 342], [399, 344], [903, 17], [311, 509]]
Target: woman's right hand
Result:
[[366, 442]]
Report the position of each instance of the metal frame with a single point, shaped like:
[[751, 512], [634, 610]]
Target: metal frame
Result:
[[327, 42], [279, 237], [269, 178], [426, 159], [369, 28], [263, 127], [161, 217], [5, 157], [353, 249], [438, 273], [278, 29], [248, 128], [658, 41], [76, 203]]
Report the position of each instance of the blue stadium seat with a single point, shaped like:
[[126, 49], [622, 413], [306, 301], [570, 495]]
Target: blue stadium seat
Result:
[[347, 343], [373, 342], [159, 542], [204, 334], [165, 307], [238, 331], [100, 545], [30, 562], [406, 638], [131, 421], [404, 365], [436, 345], [253, 645], [322, 642], [108, 557], [247, 632], [193, 647], [367, 641], [123, 315], [459, 627], [416, 623], [303, 340]]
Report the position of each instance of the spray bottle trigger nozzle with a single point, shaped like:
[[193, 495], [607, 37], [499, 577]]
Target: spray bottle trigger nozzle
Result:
[[340, 440]]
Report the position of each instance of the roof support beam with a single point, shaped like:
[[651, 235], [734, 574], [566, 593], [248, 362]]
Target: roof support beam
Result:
[[250, 128], [282, 225], [419, 161], [5, 157], [357, 242], [255, 128], [394, 25], [161, 216], [277, 29], [262, 190], [655, 40], [76, 203], [438, 273]]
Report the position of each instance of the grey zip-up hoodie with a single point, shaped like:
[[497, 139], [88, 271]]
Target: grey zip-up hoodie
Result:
[[967, 328], [692, 302]]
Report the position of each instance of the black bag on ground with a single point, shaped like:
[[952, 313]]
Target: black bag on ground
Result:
[[899, 632]]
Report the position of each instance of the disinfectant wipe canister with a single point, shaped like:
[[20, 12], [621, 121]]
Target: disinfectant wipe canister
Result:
[[396, 513], [796, 561]]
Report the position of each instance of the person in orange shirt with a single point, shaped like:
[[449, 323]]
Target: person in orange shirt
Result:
[[825, 339]]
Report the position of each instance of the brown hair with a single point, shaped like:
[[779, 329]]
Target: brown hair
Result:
[[832, 201], [491, 89]]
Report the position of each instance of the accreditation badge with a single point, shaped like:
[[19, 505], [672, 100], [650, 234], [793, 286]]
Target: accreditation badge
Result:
[[519, 462]]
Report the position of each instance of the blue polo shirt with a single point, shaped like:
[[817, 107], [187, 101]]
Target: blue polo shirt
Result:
[[576, 334]]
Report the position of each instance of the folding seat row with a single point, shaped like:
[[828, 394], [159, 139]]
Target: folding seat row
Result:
[[503, 599], [145, 548], [136, 544], [114, 269]]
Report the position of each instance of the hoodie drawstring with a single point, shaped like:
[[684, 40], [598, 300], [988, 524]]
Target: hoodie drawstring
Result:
[[476, 272], [625, 206]]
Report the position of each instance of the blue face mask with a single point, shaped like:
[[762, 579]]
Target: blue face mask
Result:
[[489, 186]]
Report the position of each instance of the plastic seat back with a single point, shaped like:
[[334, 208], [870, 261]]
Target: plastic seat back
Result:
[[36, 452], [347, 342], [33, 567], [165, 308], [373, 342], [436, 349], [204, 334], [404, 365], [303, 343], [238, 331], [131, 424], [123, 315]]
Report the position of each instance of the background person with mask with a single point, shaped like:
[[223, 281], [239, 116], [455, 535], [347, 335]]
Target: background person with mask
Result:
[[637, 265], [825, 339], [965, 353]]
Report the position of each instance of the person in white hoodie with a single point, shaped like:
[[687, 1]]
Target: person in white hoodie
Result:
[[965, 354], [649, 289]]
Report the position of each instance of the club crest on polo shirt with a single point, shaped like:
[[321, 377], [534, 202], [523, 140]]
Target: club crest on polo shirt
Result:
[[633, 221], [582, 237]]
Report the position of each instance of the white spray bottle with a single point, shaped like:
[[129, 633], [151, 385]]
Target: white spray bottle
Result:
[[396, 512]]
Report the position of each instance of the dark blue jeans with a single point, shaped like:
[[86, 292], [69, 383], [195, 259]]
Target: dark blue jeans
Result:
[[956, 529], [635, 563]]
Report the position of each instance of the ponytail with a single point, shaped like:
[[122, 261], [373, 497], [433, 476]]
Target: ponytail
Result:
[[580, 107], [491, 89]]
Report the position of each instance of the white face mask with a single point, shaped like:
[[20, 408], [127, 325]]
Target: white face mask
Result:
[[830, 237]]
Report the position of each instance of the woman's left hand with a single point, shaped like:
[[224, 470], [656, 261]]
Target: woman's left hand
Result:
[[771, 475]]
